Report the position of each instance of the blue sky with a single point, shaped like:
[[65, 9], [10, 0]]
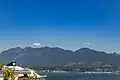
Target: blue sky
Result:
[[70, 24]]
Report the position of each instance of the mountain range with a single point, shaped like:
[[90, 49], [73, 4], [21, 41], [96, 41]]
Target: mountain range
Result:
[[55, 56]]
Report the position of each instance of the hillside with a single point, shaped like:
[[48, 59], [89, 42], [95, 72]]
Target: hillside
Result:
[[47, 56]]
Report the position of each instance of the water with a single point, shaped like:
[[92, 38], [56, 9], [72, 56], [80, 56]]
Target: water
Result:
[[74, 76]]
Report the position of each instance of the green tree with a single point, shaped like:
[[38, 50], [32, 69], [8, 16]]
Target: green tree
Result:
[[6, 74]]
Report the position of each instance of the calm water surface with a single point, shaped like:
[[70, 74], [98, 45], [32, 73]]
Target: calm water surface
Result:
[[74, 76]]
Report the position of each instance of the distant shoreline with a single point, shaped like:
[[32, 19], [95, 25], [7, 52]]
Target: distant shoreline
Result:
[[84, 73]]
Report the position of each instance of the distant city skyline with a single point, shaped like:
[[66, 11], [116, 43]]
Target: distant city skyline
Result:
[[69, 24]]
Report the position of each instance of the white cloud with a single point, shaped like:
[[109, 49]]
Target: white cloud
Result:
[[36, 44], [88, 43]]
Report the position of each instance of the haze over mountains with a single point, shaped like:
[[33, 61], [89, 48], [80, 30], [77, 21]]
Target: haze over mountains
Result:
[[55, 56]]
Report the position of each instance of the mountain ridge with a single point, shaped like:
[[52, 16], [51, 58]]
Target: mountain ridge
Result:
[[55, 56]]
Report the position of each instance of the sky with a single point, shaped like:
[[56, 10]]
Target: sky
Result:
[[69, 24]]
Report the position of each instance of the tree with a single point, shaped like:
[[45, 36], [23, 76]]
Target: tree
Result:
[[6, 74], [9, 73]]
